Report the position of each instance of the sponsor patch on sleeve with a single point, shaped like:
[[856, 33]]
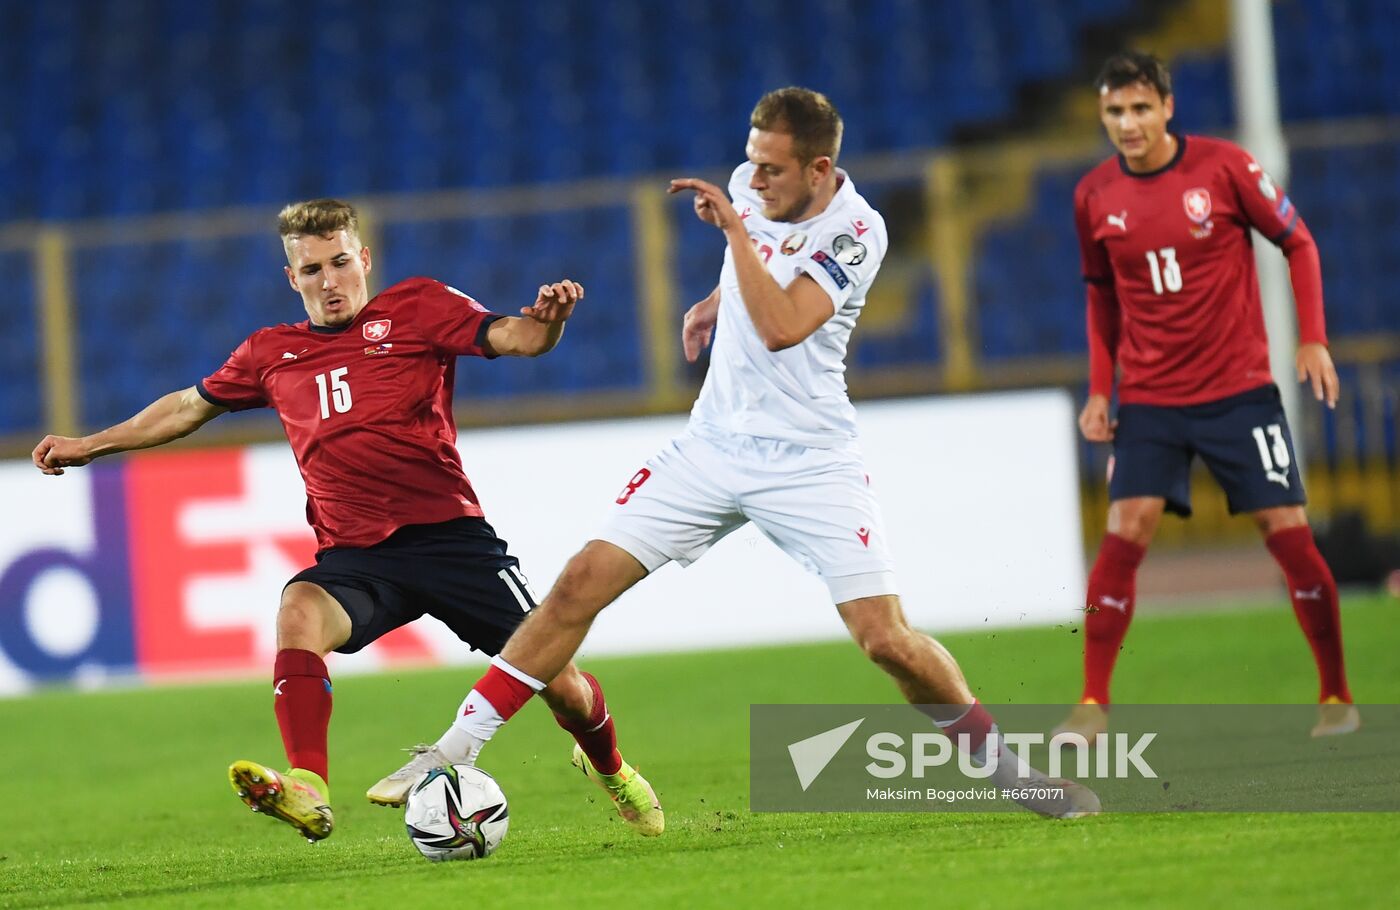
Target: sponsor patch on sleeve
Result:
[[833, 269]]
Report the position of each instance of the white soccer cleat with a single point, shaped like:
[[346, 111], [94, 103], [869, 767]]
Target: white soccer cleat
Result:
[[393, 790], [1073, 799], [1336, 718]]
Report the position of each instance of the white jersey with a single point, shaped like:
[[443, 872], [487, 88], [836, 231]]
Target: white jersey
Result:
[[799, 394]]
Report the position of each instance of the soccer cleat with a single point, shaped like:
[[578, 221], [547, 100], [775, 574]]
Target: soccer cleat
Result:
[[296, 797], [634, 798], [1336, 718], [393, 790], [1087, 719], [1073, 801]]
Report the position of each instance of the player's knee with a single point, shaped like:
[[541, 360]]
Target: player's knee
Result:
[[301, 621], [575, 596], [1271, 521], [1137, 525]]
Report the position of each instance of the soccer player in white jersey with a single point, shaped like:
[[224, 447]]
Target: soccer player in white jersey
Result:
[[772, 439]]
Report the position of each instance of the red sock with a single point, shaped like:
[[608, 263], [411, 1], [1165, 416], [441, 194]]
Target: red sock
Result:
[[975, 724], [1111, 598], [505, 693], [596, 735], [1314, 595], [302, 701]]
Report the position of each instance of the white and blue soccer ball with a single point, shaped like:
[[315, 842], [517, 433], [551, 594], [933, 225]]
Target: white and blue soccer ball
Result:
[[456, 812]]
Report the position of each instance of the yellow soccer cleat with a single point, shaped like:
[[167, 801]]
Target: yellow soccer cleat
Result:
[[298, 797], [1087, 719], [1336, 718], [634, 798]]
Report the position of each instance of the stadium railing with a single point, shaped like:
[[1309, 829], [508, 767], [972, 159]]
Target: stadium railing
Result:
[[980, 290]]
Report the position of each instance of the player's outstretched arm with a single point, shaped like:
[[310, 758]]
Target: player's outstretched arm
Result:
[[539, 326], [699, 326], [163, 420], [783, 317]]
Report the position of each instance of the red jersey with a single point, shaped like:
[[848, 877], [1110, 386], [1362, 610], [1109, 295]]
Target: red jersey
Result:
[[367, 408], [1173, 294]]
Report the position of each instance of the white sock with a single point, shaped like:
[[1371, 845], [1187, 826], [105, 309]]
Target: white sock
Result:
[[477, 721]]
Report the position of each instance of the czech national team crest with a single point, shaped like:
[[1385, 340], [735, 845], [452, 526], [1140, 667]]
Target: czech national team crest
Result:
[[377, 329], [1197, 204]]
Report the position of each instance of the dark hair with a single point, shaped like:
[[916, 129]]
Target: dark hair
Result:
[[321, 217], [1131, 67], [807, 116]]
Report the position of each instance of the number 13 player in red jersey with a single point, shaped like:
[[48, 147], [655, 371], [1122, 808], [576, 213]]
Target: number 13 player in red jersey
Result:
[[364, 391], [1173, 301]]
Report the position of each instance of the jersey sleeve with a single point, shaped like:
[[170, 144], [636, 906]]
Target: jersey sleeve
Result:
[[1264, 203], [453, 322], [1094, 263], [235, 385], [1269, 210], [845, 256]]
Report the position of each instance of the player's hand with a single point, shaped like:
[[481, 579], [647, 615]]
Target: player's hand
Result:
[[711, 205], [554, 302], [54, 453], [1315, 365], [1094, 422], [699, 326]]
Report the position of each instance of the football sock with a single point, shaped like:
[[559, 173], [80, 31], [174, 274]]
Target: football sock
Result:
[[970, 732], [494, 699], [1111, 598], [1314, 594], [596, 736], [302, 702]]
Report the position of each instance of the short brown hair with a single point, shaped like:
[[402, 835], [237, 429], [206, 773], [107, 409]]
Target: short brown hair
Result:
[[321, 217], [807, 116], [1132, 67]]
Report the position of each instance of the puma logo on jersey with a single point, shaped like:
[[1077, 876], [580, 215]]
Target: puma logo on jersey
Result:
[[1121, 220], [864, 535], [277, 689], [288, 355], [1113, 603], [1313, 593]]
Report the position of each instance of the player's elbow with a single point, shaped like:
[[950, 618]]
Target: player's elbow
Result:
[[776, 340]]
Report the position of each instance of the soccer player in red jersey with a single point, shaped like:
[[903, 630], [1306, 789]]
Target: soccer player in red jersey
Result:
[[363, 388], [1173, 302]]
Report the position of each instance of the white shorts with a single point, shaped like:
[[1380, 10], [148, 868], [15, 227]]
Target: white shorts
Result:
[[815, 504]]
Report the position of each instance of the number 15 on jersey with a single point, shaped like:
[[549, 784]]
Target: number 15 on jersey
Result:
[[334, 391]]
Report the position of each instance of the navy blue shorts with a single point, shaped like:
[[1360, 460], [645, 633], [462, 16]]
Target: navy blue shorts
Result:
[[1243, 440], [456, 571]]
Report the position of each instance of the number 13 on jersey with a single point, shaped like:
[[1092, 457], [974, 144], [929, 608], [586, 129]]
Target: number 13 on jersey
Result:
[[334, 391], [1166, 272]]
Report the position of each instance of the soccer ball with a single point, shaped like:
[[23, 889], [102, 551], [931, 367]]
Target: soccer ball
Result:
[[456, 812]]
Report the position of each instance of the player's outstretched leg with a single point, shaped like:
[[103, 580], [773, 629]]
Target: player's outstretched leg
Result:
[[1313, 591], [1108, 607], [929, 678], [309, 624], [578, 705], [541, 648]]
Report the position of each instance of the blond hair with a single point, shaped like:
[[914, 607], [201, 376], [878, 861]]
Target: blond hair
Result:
[[321, 217]]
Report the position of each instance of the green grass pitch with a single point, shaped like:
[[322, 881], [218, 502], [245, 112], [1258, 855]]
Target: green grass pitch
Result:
[[120, 797]]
